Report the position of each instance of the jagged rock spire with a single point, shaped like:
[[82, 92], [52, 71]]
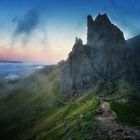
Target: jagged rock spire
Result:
[[102, 19], [101, 32], [90, 21], [78, 41], [105, 58], [78, 45], [90, 28]]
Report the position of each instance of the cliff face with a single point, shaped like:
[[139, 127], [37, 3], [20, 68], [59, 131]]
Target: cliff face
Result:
[[109, 47], [105, 57], [102, 33], [78, 71], [134, 60]]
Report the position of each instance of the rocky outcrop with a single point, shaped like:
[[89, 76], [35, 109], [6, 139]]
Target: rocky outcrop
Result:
[[102, 33], [78, 72], [134, 60], [105, 57], [110, 51]]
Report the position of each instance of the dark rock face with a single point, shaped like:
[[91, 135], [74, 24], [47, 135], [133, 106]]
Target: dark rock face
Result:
[[109, 47], [134, 60], [78, 72], [102, 33], [105, 56]]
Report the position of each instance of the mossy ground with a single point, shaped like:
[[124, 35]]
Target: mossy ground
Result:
[[128, 112], [127, 108], [37, 110]]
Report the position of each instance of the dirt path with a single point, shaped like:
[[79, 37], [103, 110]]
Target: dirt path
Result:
[[107, 114], [108, 129]]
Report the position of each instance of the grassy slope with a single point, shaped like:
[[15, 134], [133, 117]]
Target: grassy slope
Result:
[[36, 110], [127, 113], [68, 120], [30, 101], [128, 110]]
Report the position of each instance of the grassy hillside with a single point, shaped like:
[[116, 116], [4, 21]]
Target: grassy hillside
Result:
[[31, 99], [35, 109]]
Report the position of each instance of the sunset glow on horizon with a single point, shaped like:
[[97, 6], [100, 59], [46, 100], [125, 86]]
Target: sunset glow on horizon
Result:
[[45, 31]]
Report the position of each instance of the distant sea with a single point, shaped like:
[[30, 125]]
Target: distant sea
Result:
[[14, 70]]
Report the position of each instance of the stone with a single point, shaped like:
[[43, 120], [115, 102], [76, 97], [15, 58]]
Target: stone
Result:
[[105, 59]]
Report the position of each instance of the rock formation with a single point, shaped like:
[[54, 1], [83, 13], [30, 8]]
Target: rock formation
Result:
[[78, 71], [134, 61], [105, 57]]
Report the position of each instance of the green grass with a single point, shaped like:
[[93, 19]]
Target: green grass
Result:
[[29, 102], [37, 110], [62, 122], [127, 112], [65, 121], [34, 110]]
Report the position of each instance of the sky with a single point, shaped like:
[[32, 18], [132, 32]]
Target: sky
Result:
[[45, 30]]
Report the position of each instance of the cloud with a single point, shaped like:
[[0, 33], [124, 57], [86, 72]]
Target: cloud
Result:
[[27, 23], [25, 26]]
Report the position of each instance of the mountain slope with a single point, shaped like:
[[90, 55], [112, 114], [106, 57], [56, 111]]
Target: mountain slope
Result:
[[134, 42], [134, 65], [30, 115], [106, 58], [91, 95]]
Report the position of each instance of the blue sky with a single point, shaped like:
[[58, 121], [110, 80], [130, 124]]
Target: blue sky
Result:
[[58, 22]]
